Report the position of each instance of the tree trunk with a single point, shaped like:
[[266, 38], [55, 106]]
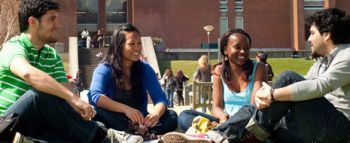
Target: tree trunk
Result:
[[8, 20]]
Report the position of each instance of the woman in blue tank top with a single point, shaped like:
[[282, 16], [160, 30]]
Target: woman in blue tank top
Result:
[[235, 79]]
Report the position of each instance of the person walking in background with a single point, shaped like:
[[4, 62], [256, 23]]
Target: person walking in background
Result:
[[100, 39], [262, 57], [180, 80], [88, 42], [34, 85], [203, 74], [203, 71], [235, 80], [84, 35], [78, 83], [169, 84], [120, 86]]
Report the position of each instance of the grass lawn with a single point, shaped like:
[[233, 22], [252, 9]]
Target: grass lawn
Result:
[[279, 65]]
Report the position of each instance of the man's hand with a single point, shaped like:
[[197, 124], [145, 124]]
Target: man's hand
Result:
[[86, 111], [151, 120], [134, 115], [263, 96]]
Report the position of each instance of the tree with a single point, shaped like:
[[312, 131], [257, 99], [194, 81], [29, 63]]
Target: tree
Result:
[[9, 26]]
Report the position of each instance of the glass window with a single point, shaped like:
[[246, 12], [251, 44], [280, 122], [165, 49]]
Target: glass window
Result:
[[223, 1], [116, 11], [312, 6], [239, 22], [87, 11], [238, 7], [223, 8], [223, 25]]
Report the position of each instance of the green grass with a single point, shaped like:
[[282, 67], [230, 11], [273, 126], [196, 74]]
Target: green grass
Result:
[[299, 65], [279, 65]]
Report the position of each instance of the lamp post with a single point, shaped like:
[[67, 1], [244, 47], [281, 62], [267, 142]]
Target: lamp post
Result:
[[208, 28]]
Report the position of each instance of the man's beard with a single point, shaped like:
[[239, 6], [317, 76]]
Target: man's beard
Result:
[[51, 40], [315, 55]]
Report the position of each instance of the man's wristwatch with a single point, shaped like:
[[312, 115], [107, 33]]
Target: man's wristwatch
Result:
[[271, 95]]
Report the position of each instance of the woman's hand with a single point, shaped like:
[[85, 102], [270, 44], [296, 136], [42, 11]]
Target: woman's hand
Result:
[[151, 120], [134, 115]]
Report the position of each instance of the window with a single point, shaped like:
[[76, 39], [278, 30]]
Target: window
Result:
[[223, 1], [223, 25], [239, 22], [312, 6], [116, 11], [239, 14], [223, 7], [239, 6], [87, 11]]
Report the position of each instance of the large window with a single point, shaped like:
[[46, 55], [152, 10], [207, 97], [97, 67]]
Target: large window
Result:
[[87, 11], [311, 6], [239, 20], [116, 11]]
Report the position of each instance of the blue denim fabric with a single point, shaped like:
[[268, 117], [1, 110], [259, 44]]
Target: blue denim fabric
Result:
[[170, 96], [118, 121], [204, 100], [186, 117], [314, 120], [47, 117]]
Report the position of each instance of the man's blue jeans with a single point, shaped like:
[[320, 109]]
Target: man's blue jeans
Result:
[[118, 121], [47, 117], [314, 120]]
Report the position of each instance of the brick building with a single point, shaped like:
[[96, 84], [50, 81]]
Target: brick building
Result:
[[273, 24]]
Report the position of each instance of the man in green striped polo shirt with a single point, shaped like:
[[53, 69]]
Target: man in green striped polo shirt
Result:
[[32, 82]]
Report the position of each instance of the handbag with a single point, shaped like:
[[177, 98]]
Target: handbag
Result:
[[8, 127]]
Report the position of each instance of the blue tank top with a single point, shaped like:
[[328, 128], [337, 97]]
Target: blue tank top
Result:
[[233, 100]]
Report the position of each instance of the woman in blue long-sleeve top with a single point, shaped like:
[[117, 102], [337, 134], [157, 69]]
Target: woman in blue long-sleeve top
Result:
[[121, 83]]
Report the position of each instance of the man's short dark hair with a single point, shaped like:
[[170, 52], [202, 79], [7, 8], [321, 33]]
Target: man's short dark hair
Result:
[[35, 8], [332, 20]]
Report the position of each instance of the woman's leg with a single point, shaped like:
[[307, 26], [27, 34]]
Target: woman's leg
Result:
[[167, 123], [112, 120]]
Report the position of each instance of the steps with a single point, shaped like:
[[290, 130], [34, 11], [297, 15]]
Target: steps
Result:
[[87, 63]]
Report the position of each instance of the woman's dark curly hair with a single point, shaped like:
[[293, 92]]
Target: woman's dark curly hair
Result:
[[247, 67], [332, 20]]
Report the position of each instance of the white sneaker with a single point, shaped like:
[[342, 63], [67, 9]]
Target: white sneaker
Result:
[[19, 138], [122, 137], [176, 137], [216, 137]]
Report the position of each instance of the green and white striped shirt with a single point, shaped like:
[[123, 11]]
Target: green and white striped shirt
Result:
[[13, 87]]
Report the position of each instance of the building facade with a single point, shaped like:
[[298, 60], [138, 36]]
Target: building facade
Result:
[[272, 24]]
